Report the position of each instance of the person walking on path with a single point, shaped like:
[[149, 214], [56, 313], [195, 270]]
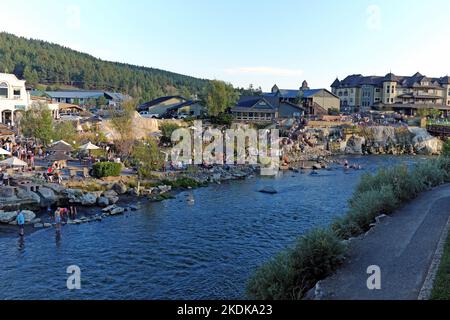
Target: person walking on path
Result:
[[21, 222]]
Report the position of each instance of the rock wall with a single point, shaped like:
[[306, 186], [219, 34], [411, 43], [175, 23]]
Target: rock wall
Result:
[[391, 140]]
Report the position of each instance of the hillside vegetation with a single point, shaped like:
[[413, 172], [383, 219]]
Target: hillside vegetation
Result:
[[55, 66]]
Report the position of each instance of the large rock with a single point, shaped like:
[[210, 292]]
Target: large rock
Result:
[[29, 215], [48, 196], [7, 217], [74, 195], [102, 201], [57, 188], [89, 199], [111, 195], [424, 143], [355, 145], [26, 195], [119, 187], [117, 210], [164, 189]]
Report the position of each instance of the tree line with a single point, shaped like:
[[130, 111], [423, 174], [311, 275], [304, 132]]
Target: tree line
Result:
[[54, 66]]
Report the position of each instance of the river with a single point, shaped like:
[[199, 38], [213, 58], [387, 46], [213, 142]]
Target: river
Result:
[[177, 250]]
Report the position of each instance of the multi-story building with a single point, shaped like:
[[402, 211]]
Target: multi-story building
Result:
[[13, 97], [405, 94]]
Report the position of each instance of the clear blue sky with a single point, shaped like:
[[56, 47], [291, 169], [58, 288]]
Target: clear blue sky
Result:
[[253, 41]]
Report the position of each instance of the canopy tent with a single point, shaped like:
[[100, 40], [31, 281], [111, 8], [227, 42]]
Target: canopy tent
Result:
[[60, 146], [4, 152], [13, 162], [89, 146]]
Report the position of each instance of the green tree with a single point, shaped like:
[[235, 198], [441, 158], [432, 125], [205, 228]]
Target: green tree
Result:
[[37, 123], [220, 96], [446, 150], [122, 123], [147, 157], [101, 102], [65, 130]]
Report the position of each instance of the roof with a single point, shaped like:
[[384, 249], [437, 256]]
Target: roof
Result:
[[257, 102], [84, 94], [157, 101], [358, 80]]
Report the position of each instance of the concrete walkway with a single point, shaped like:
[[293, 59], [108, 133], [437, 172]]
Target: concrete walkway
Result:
[[402, 245]]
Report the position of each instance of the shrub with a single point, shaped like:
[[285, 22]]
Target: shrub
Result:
[[291, 273], [446, 149], [182, 183], [106, 169]]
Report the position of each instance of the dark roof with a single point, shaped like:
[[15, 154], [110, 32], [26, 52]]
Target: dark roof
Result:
[[336, 83], [157, 101], [358, 80], [258, 102]]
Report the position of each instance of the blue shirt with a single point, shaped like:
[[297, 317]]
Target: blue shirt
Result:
[[20, 218]]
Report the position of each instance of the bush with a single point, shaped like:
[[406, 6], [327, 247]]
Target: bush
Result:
[[446, 149], [182, 183], [106, 169], [293, 272]]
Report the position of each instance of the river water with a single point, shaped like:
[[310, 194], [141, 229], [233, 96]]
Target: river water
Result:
[[177, 250]]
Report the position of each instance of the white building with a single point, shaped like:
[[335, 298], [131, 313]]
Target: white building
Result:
[[13, 97]]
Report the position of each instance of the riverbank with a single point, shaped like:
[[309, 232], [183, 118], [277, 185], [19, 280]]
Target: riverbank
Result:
[[320, 253], [402, 245], [96, 199]]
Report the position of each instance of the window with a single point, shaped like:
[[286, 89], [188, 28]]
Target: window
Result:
[[393, 88], [392, 100], [16, 93], [4, 90], [377, 90], [388, 89]]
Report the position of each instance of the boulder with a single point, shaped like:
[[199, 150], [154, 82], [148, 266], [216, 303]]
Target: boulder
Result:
[[55, 187], [29, 215], [26, 195], [102, 201], [7, 217], [117, 210], [48, 196], [89, 199], [74, 195], [109, 208], [424, 143], [119, 187], [355, 145], [164, 189], [38, 225], [47, 225], [269, 190]]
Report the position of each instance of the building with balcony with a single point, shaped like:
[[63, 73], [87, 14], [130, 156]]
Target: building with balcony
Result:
[[13, 97], [405, 94]]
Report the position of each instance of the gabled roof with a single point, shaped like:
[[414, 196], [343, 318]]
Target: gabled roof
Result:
[[257, 102], [157, 101], [336, 83], [358, 80]]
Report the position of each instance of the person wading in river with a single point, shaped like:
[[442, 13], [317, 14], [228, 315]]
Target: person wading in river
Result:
[[21, 222]]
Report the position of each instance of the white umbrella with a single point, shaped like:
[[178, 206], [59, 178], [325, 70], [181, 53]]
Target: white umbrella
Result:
[[13, 162], [89, 146], [61, 141], [4, 152]]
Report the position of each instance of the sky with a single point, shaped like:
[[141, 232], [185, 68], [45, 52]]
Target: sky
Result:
[[259, 42]]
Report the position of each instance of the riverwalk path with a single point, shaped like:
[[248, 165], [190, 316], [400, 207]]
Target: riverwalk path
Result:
[[402, 245]]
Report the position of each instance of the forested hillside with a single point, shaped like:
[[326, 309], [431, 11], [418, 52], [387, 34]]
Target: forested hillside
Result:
[[44, 63]]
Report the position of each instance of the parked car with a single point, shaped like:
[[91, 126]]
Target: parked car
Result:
[[146, 114], [183, 116]]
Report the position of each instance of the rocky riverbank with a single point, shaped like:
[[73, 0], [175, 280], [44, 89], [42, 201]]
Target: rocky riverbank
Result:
[[96, 199]]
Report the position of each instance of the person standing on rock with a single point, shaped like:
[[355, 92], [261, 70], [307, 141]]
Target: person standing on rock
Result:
[[21, 223]]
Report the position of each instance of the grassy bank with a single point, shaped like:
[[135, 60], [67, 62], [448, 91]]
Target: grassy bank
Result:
[[441, 288], [319, 253]]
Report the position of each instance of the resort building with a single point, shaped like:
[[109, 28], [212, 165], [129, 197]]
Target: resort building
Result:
[[172, 104], [83, 97], [405, 94], [265, 109], [13, 97], [314, 101], [285, 104]]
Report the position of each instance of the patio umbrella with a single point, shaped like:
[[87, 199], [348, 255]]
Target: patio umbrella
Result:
[[89, 146], [58, 156], [4, 152], [13, 162], [61, 146]]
